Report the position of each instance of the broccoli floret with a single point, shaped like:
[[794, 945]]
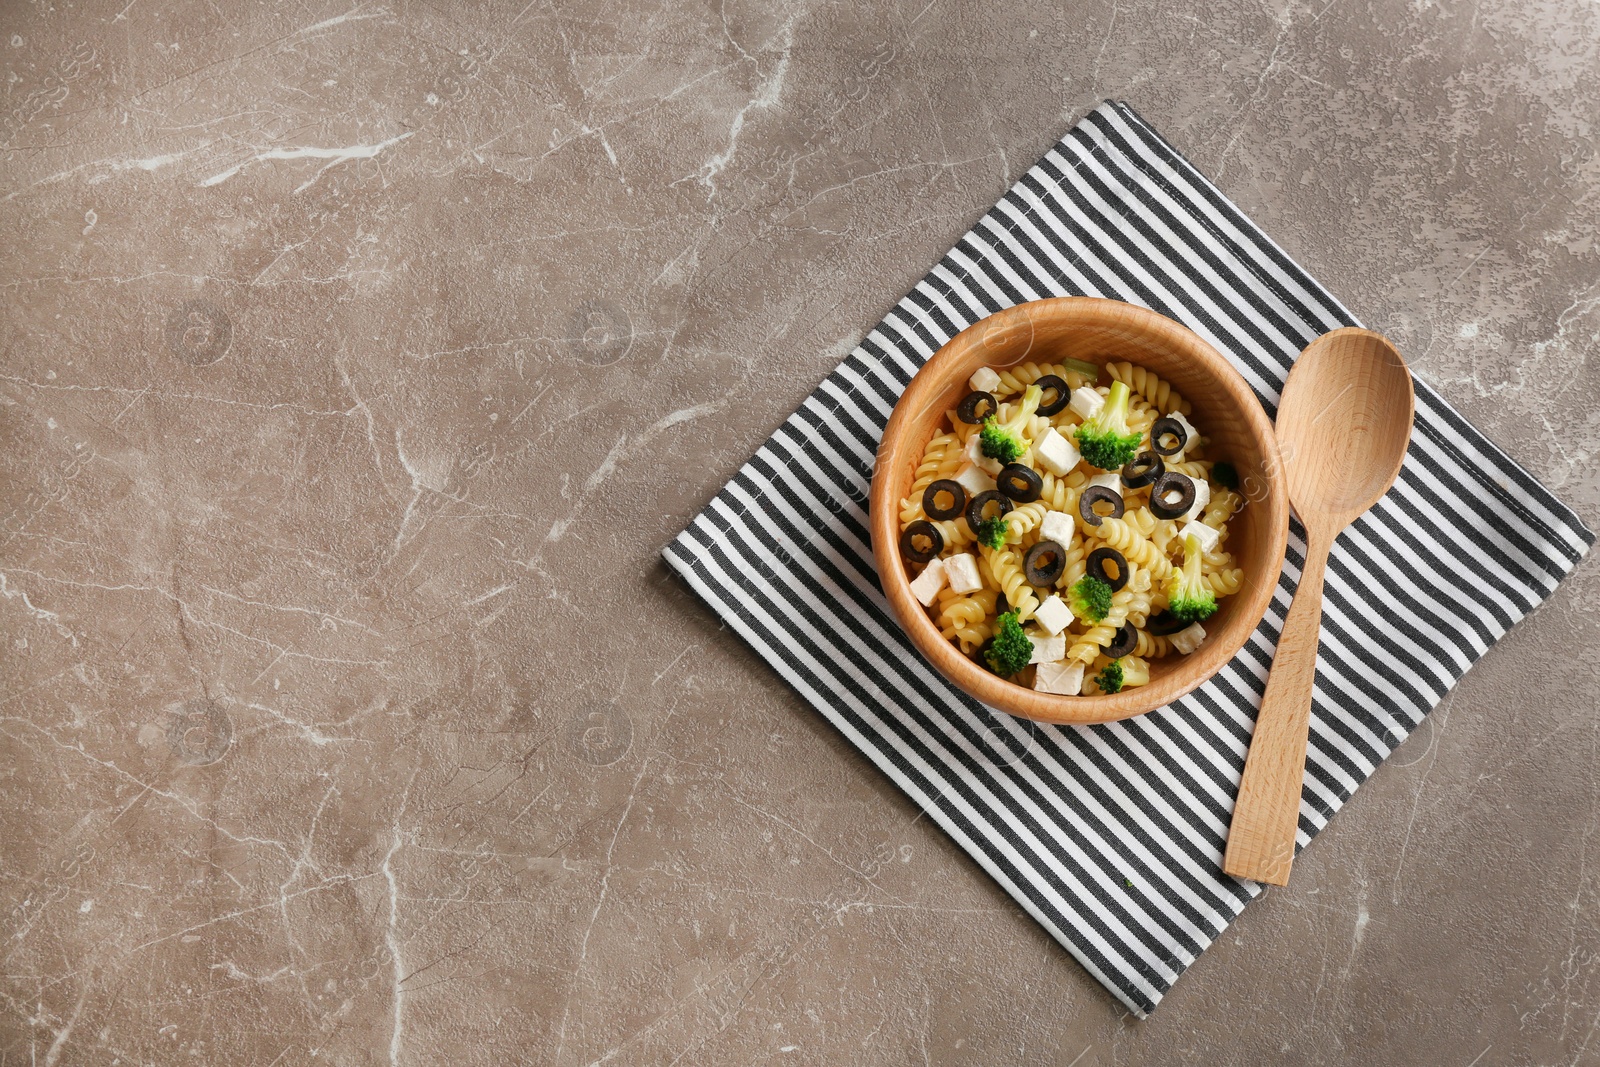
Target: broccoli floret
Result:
[[1105, 440], [1003, 440], [1187, 595], [998, 442], [1089, 598], [1226, 475], [992, 532], [1011, 650], [1110, 679]]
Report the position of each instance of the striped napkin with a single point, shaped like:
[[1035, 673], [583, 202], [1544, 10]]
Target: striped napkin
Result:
[[1112, 836]]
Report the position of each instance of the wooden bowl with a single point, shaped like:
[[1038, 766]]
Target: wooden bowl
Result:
[[1098, 331]]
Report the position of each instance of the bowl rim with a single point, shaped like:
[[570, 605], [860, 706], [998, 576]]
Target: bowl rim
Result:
[[884, 519]]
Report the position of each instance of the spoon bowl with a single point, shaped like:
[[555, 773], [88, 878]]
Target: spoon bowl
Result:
[[1344, 424], [1343, 427]]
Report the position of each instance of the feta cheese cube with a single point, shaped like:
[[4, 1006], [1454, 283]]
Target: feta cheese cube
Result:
[[1055, 453], [1086, 401], [1057, 526], [1112, 480], [927, 584], [961, 571], [976, 457], [1048, 649], [1202, 497], [1192, 437], [1063, 677], [1053, 614], [1187, 640], [984, 380], [974, 481], [1206, 535]]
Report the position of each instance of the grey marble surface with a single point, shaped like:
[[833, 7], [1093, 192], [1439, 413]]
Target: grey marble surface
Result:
[[358, 359]]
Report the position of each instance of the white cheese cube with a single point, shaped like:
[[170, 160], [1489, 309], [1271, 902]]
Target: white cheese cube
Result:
[[974, 481], [976, 457], [927, 584], [984, 380], [1193, 435], [1048, 649], [1202, 497], [1206, 535], [1055, 453], [1057, 526], [1086, 401], [1112, 480], [1063, 677], [961, 571], [1053, 614], [1187, 640]]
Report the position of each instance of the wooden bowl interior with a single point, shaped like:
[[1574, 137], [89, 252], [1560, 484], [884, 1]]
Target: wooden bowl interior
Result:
[[1223, 409]]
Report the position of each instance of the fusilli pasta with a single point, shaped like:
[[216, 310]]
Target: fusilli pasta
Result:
[[1018, 591]]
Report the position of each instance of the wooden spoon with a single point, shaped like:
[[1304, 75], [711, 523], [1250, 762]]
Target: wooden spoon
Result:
[[1343, 427]]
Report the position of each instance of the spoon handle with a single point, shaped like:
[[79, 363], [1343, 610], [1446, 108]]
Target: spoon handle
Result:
[[1261, 836]]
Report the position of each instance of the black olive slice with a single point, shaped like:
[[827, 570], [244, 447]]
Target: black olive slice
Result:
[[921, 531], [976, 506], [1100, 494], [1141, 470], [975, 407], [1019, 482], [1167, 426], [1095, 567], [1001, 605], [1164, 623], [1044, 563], [954, 490], [1063, 394], [1123, 644], [1172, 495]]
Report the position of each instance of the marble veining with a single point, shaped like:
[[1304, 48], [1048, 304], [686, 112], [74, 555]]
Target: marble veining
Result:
[[359, 358]]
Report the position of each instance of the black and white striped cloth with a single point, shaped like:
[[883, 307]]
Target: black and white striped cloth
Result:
[[1112, 836]]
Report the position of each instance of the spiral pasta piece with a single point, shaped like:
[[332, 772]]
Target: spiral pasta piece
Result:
[[1139, 604], [941, 459], [1126, 539], [1060, 492], [1141, 519], [1024, 518], [1146, 384], [1163, 534], [1192, 468], [1094, 640], [1224, 583], [1150, 646], [1221, 509], [1005, 571], [1016, 379], [956, 532], [964, 617], [1074, 561], [1141, 417]]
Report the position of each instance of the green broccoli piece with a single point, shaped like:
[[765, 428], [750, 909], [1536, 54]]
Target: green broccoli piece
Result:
[[1089, 598], [1105, 440], [1003, 440], [1188, 597], [1226, 475], [1110, 679], [993, 531], [1010, 650]]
